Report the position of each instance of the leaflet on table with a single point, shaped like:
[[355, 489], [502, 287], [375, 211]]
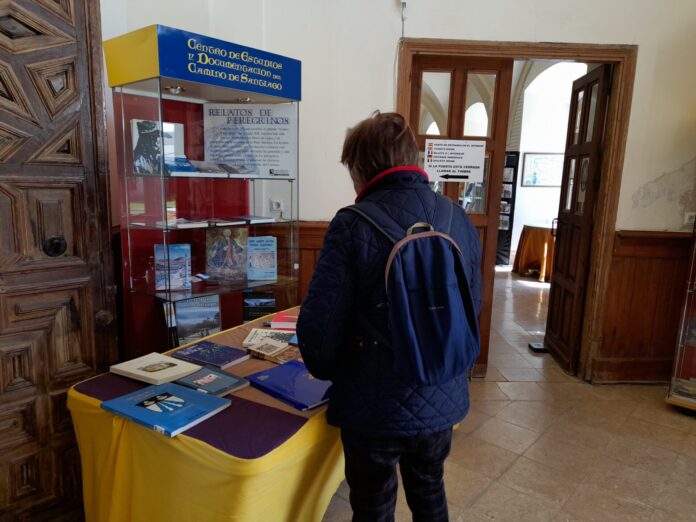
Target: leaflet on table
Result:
[[262, 258], [255, 140], [258, 335], [154, 368], [167, 408], [292, 383], [173, 267]]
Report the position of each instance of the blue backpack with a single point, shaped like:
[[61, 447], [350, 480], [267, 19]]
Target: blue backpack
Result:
[[432, 318]]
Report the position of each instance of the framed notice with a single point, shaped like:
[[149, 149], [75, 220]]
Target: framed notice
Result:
[[252, 140], [542, 169], [455, 160]]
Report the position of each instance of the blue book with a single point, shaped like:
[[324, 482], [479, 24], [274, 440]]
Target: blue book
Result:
[[173, 262], [212, 354], [166, 408], [262, 258], [178, 166], [292, 383], [208, 380]]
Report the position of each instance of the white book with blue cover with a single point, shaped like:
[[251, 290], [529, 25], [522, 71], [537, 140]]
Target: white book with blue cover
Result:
[[166, 408], [262, 258]]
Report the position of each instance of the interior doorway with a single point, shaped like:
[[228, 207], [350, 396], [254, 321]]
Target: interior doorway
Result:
[[415, 53], [540, 106]]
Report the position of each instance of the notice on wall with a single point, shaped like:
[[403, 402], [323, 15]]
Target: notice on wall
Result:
[[252, 140], [455, 160]]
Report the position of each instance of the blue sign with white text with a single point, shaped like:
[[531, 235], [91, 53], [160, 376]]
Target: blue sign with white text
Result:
[[193, 57]]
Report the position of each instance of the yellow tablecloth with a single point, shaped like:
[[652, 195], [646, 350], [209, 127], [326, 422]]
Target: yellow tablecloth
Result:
[[133, 474]]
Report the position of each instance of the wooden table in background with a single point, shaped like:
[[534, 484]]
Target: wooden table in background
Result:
[[535, 252]]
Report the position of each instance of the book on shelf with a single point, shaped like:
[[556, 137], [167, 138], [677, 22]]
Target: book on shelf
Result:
[[225, 222], [154, 368], [147, 146], [285, 320], [226, 252], [166, 408], [209, 169], [181, 223], [208, 353], [293, 384], [263, 258], [255, 220], [238, 171], [258, 335], [173, 267], [179, 166], [257, 304], [215, 382], [197, 317]]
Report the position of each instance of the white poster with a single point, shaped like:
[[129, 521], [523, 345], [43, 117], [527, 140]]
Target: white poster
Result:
[[455, 160], [252, 140]]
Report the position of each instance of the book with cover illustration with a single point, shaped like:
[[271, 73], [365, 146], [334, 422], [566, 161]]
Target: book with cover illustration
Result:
[[173, 267], [285, 320], [257, 304], [197, 317], [209, 380], [150, 140], [166, 408], [258, 335], [226, 253], [293, 384], [289, 353], [154, 368], [262, 256], [211, 354]]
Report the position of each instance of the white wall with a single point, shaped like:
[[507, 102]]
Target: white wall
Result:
[[544, 127], [348, 50]]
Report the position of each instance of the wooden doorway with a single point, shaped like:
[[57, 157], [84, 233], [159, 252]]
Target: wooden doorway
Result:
[[623, 60], [56, 276]]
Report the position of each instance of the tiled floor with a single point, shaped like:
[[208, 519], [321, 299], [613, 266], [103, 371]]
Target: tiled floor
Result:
[[539, 445]]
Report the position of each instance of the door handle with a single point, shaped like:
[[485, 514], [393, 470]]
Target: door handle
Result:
[[55, 246], [103, 318], [554, 227]]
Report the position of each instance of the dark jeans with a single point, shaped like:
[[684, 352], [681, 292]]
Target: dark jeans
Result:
[[371, 475]]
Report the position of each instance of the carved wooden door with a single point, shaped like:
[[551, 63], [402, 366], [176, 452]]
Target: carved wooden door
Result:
[[56, 301]]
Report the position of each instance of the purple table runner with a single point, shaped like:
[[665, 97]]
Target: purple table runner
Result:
[[245, 429]]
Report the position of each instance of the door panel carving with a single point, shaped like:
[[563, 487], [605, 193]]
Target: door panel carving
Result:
[[55, 262]]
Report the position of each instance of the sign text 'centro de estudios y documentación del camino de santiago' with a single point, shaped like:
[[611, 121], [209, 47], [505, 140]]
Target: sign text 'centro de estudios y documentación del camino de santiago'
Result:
[[198, 58], [455, 160]]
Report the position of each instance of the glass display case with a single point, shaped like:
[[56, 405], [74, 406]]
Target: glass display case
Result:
[[682, 389], [207, 165]]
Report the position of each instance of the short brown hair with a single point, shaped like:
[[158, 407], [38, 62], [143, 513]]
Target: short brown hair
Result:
[[382, 141]]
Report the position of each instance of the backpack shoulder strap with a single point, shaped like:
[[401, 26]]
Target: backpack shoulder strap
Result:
[[379, 219], [444, 212]]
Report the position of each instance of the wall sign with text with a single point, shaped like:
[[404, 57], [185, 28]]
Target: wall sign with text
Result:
[[455, 160]]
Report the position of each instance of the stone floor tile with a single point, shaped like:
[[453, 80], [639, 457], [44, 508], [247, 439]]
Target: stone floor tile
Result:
[[500, 503], [462, 485], [506, 435], [521, 375], [481, 390], [539, 481], [590, 503], [523, 391], [534, 415], [477, 455]]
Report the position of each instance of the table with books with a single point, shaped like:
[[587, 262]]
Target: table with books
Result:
[[253, 458]]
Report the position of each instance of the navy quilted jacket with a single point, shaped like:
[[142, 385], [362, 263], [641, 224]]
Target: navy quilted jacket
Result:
[[348, 282]]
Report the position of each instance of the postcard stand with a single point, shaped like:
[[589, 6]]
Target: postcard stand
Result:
[[207, 163]]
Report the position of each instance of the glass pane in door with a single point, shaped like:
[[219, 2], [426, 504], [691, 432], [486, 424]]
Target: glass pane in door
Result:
[[434, 103], [593, 109], [578, 117], [582, 185], [480, 97], [472, 196], [571, 184]]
